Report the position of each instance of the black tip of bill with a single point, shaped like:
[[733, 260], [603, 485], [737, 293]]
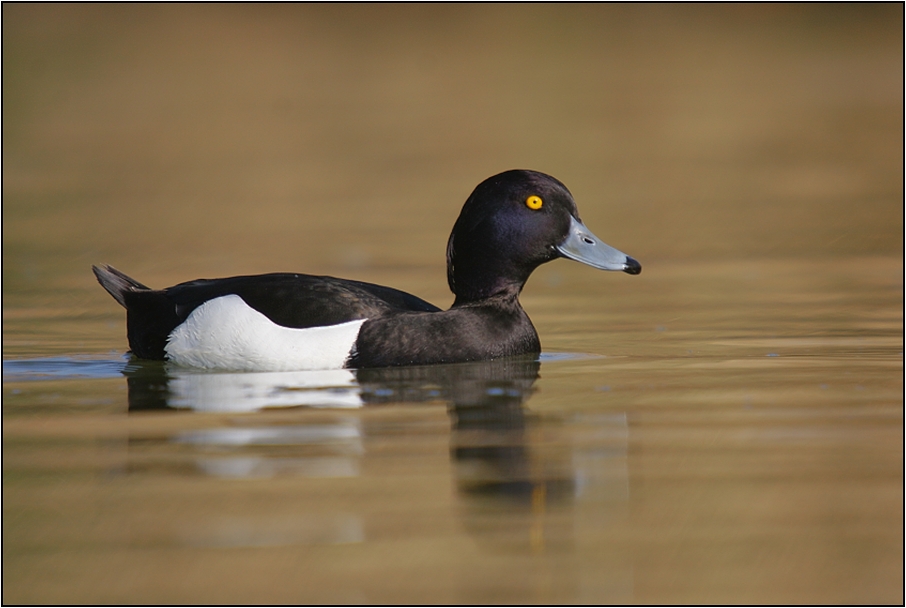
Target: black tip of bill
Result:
[[632, 266]]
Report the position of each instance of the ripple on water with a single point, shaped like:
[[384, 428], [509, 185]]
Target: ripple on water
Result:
[[64, 368], [73, 367]]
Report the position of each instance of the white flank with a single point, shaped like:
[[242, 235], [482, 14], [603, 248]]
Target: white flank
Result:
[[226, 333]]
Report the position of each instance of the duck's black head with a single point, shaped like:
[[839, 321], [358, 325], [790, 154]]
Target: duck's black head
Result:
[[512, 223]]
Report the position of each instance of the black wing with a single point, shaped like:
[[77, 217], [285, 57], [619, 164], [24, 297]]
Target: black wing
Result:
[[299, 300]]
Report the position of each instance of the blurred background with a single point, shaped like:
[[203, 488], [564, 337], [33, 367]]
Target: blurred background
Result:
[[176, 141]]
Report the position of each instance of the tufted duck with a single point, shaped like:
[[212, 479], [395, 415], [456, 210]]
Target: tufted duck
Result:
[[512, 223]]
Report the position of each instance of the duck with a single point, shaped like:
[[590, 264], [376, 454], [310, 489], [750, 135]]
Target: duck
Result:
[[511, 223]]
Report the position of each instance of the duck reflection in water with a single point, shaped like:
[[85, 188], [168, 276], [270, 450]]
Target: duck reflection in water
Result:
[[506, 480], [488, 385], [516, 473], [490, 440]]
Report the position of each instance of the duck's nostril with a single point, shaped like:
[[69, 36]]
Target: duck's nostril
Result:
[[588, 241]]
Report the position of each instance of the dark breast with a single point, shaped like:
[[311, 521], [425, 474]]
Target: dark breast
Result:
[[488, 330]]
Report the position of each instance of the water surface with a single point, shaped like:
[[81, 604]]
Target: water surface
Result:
[[711, 457]]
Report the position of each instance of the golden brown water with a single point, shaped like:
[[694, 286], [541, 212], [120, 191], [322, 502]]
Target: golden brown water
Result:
[[726, 427]]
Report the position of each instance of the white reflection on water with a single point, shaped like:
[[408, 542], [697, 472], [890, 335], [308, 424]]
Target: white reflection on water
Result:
[[276, 435], [342, 441], [256, 467], [247, 392]]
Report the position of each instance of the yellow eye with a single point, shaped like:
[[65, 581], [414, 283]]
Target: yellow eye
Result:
[[534, 202]]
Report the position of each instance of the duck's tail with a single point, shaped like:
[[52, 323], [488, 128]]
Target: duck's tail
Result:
[[116, 283]]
